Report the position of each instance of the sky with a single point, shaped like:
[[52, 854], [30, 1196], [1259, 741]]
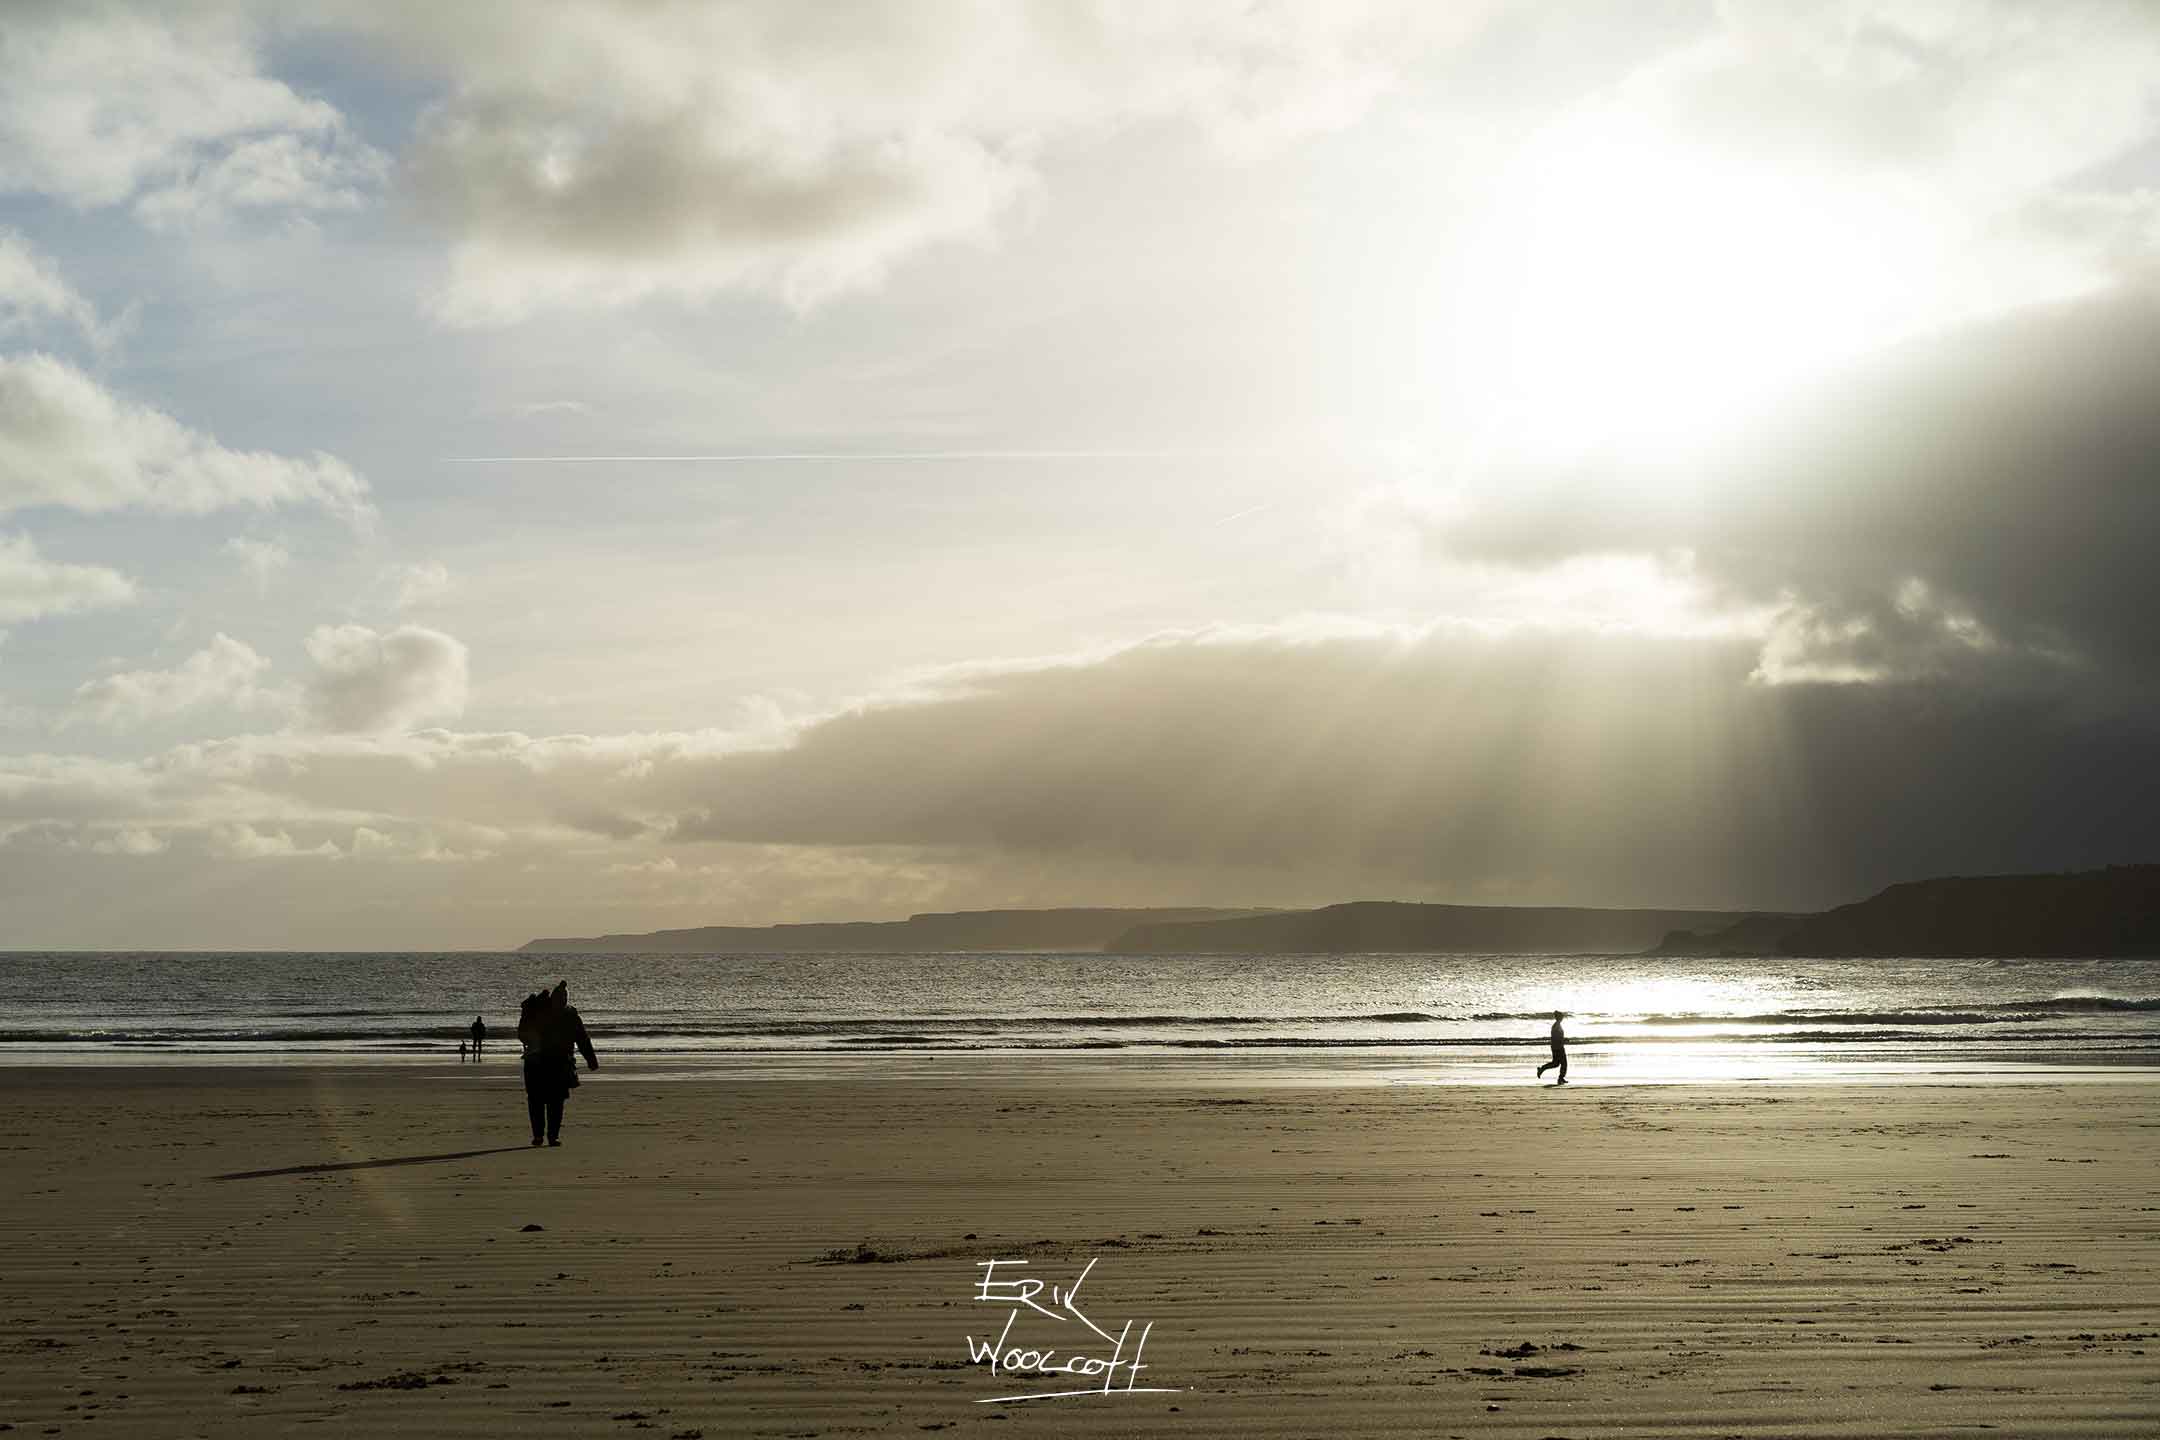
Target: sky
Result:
[[478, 471]]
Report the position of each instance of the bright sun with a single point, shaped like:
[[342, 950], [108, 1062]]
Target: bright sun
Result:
[[1637, 292]]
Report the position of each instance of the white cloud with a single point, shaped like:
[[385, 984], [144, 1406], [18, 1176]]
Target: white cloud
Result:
[[106, 105], [130, 840], [223, 673], [66, 441], [274, 172], [595, 153], [239, 841], [261, 559], [31, 585], [408, 586], [1912, 634], [371, 682], [33, 291], [1988, 100]]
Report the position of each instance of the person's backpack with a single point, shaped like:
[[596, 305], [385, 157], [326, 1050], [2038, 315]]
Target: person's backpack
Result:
[[529, 1012]]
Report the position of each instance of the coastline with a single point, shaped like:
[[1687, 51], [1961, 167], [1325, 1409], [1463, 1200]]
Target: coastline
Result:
[[791, 1255]]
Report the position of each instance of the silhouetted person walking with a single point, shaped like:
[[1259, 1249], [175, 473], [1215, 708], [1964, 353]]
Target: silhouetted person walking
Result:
[[550, 1030], [479, 1035], [1559, 1051]]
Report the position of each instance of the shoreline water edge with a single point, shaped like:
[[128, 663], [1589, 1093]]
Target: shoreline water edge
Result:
[[1378, 1018]]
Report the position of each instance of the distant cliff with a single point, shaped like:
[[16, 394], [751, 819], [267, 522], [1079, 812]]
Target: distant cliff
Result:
[[1754, 935], [2115, 911], [958, 930], [2094, 912], [1383, 925]]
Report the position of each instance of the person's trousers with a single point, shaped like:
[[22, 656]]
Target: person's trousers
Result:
[[547, 1113], [1559, 1058], [547, 1085]]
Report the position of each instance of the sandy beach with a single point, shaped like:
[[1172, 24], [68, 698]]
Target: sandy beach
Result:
[[375, 1250]]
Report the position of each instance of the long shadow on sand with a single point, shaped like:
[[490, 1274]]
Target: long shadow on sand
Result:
[[365, 1164]]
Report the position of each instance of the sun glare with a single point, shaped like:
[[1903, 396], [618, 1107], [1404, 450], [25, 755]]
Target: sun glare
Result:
[[1682, 993], [1641, 593], [1639, 293]]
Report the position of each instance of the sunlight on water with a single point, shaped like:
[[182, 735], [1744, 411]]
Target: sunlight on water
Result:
[[1358, 1018], [1707, 996]]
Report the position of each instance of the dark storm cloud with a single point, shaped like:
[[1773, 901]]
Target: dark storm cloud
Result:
[[2004, 476], [1960, 536], [1523, 766], [1255, 767]]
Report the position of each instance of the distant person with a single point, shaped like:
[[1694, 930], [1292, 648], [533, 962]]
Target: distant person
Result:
[[479, 1036], [461, 1052], [1559, 1052], [550, 1030]]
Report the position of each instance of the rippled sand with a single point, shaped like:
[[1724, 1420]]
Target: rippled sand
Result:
[[377, 1251]]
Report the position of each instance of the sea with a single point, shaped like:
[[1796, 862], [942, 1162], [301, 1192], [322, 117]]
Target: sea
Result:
[[1382, 1018]]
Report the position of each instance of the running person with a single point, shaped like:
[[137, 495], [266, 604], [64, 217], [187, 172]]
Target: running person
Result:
[[1559, 1052]]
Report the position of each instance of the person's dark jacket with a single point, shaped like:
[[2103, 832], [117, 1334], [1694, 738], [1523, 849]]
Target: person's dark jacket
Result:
[[561, 1029], [549, 1032]]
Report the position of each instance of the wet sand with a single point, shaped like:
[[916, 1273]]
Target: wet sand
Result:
[[376, 1250]]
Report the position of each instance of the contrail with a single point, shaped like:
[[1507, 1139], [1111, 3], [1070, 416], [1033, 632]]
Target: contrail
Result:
[[842, 456]]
